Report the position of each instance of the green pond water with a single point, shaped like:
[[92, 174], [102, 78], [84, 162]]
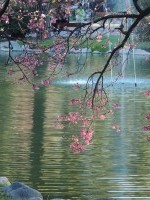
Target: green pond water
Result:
[[33, 151]]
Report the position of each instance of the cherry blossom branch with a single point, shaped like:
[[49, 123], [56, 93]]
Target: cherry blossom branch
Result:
[[135, 2]]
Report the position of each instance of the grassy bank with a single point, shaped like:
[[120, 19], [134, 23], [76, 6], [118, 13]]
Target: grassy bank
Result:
[[107, 43]]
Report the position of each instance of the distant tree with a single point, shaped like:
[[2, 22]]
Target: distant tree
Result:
[[143, 29]]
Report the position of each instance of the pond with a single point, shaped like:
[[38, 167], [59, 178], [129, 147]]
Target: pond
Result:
[[33, 151]]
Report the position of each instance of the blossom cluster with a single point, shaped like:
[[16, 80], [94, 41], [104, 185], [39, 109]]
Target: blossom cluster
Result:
[[37, 22], [28, 60], [84, 121], [146, 128], [78, 143]]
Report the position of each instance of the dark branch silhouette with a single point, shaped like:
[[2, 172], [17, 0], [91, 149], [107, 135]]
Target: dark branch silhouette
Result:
[[4, 7]]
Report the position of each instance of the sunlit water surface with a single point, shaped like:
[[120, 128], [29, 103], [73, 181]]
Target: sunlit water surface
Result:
[[116, 165]]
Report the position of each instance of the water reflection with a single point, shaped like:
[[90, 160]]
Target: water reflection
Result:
[[33, 151], [37, 137]]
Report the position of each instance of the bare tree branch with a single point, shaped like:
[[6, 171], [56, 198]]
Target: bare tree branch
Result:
[[127, 34], [2, 11], [135, 2]]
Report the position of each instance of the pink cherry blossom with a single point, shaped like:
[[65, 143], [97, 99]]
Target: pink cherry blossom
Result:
[[102, 116], [115, 106], [29, 61], [116, 127], [99, 38], [85, 122], [77, 147], [74, 117], [147, 117], [75, 138], [53, 20], [35, 87], [132, 46], [62, 118], [87, 135], [147, 93], [76, 86], [10, 72], [4, 19], [146, 128], [37, 22], [76, 102], [111, 112], [30, 2], [148, 138], [59, 126], [68, 10], [45, 82], [89, 103], [45, 34]]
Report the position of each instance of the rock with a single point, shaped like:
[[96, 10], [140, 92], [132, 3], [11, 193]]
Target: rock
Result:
[[4, 182], [20, 191]]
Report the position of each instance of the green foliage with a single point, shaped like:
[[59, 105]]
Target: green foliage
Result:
[[17, 28], [3, 197], [99, 46], [103, 45], [144, 3], [143, 29], [143, 45], [46, 43]]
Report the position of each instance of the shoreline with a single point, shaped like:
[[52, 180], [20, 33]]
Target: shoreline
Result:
[[15, 47]]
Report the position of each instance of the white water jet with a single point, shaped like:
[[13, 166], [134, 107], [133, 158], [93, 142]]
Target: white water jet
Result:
[[109, 44], [121, 7], [128, 2]]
